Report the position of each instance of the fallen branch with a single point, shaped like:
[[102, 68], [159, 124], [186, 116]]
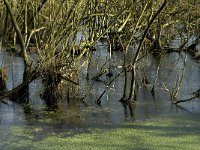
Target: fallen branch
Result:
[[99, 99], [69, 80], [185, 100], [23, 84]]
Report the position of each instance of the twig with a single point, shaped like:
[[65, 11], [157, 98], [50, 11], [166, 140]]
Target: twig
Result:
[[153, 88], [68, 79], [99, 99]]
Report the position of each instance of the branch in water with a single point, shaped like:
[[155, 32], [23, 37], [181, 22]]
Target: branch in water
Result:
[[185, 100], [68, 79]]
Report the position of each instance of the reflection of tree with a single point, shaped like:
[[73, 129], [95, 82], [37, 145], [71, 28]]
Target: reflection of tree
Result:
[[129, 106], [65, 115], [29, 113]]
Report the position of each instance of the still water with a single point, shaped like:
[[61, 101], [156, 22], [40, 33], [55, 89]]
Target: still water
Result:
[[78, 116]]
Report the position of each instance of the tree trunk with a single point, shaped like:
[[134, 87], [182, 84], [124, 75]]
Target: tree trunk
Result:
[[133, 81]]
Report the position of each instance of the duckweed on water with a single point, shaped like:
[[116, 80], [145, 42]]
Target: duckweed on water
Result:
[[174, 132]]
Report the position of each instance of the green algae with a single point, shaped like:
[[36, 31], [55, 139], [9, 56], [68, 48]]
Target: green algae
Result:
[[168, 132]]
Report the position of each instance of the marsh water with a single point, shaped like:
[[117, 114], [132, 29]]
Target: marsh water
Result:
[[78, 116]]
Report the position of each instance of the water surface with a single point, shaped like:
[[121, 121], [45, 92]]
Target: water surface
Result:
[[77, 116]]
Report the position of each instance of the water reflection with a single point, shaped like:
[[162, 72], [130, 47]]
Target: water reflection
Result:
[[78, 115]]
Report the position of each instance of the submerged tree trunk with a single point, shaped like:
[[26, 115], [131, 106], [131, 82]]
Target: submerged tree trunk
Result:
[[125, 76], [132, 95], [22, 91], [51, 84], [21, 95]]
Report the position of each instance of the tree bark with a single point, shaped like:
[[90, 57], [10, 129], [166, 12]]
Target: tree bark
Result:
[[133, 81], [17, 29]]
